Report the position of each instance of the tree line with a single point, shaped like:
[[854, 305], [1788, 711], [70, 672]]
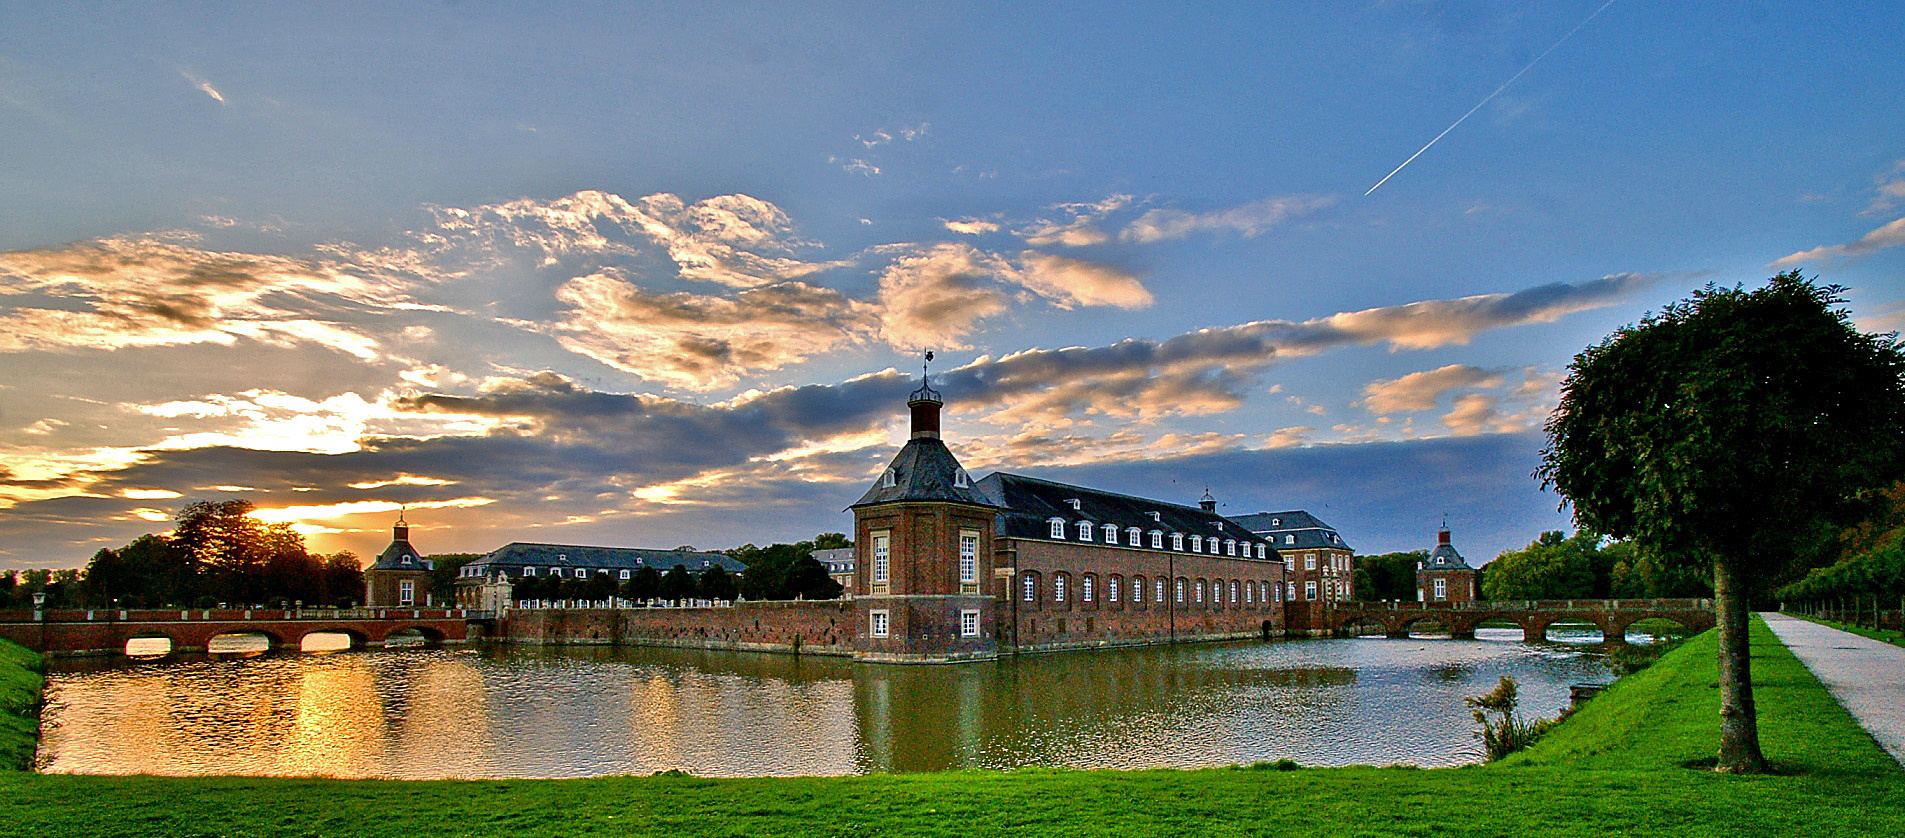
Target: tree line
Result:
[[217, 553], [774, 572]]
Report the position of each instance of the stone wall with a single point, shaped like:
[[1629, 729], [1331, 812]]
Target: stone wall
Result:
[[820, 627], [1048, 623]]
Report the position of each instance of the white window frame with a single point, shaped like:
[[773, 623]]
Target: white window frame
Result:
[[1134, 536], [1160, 590], [1441, 589], [1084, 530], [882, 557], [1029, 586], [1111, 589], [1058, 587], [625, 574], [1230, 547], [1111, 533], [406, 592], [879, 622], [1137, 589], [1086, 590], [1177, 541], [1058, 529], [1309, 561], [1309, 590], [1260, 551], [969, 622], [1234, 590], [968, 556], [1197, 544], [1157, 539], [1180, 589]]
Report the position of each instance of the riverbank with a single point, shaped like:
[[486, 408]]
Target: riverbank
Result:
[[21, 681], [1616, 767]]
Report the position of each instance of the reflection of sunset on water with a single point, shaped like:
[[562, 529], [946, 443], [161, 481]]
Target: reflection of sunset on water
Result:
[[339, 727]]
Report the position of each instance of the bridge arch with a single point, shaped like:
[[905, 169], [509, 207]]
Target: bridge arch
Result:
[[358, 638], [1623, 623], [432, 636], [274, 640], [149, 645]]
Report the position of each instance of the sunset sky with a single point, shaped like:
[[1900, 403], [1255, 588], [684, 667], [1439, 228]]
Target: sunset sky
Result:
[[650, 275]]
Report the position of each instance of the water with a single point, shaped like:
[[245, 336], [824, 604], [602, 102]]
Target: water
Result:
[[517, 712]]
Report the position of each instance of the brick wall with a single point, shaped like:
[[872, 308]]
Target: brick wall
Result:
[[1047, 623], [820, 627]]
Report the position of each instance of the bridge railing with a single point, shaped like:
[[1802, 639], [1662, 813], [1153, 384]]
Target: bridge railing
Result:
[[1680, 604], [175, 615]]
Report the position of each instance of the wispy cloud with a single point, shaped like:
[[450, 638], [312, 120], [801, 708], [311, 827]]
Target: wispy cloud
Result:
[[1248, 220], [1890, 235], [1888, 189], [203, 86]]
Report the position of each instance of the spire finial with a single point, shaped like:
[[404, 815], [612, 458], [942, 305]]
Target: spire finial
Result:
[[400, 511]]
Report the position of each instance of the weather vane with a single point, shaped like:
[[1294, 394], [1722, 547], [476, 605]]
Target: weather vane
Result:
[[922, 364]]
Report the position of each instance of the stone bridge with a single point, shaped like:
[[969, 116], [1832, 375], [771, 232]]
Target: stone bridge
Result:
[[74, 632], [1533, 617]]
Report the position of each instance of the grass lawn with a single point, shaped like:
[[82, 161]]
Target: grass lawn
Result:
[[1616, 768], [20, 683], [1896, 638]]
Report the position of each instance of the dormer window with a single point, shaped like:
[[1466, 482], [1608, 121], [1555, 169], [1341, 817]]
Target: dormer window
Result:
[[1058, 528], [1157, 539], [1197, 544], [960, 480], [1111, 533], [1260, 552], [1230, 547], [1220, 526], [1157, 516], [889, 479], [406, 560], [1076, 503], [1289, 539], [1177, 541], [1084, 530], [1276, 522]]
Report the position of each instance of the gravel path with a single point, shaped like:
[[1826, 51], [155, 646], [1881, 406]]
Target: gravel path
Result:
[[1865, 675]]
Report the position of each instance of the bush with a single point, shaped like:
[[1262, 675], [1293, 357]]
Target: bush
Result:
[[1507, 734]]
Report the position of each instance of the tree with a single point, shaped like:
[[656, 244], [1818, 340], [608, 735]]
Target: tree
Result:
[[643, 585], [832, 541], [1554, 566], [600, 587], [1387, 575], [1717, 430], [677, 584], [715, 583]]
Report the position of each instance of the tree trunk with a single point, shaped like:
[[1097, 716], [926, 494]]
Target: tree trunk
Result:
[[1739, 722]]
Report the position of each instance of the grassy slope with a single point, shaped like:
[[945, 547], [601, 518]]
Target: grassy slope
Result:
[[20, 684], [1615, 769]]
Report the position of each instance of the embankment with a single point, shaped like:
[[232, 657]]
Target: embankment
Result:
[[21, 679]]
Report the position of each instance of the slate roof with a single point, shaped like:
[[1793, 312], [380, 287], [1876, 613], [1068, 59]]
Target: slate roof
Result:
[[1310, 531], [528, 554], [1027, 505], [837, 559], [925, 469], [1444, 557], [400, 556]]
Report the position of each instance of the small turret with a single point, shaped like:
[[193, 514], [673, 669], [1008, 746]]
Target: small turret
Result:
[[1208, 503]]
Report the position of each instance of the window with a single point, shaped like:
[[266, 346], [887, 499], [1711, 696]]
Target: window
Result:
[[1441, 588], [960, 480], [1177, 541], [969, 623], [1233, 591], [968, 556], [1132, 536], [1309, 561], [1289, 539], [888, 480], [1197, 544], [1085, 591], [1309, 590], [1230, 547], [876, 622], [1084, 530], [1260, 551], [529, 571], [1217, 591], [1111, 533], [1160, 590], [407, 592], [1180, 589], [881, 557], [624, 575], [1111, 589], [1157, 539], [1058, 528], [1250, 593], [1058, 588], [1030, 584]]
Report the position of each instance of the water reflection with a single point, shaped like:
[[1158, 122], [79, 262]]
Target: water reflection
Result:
[[553, 713]]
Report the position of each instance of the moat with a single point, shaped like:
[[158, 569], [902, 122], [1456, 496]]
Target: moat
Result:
[[530, 712]]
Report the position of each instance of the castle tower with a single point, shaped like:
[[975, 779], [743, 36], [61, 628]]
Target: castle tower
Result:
[[400, 578], [924, 553], [1445, 576]]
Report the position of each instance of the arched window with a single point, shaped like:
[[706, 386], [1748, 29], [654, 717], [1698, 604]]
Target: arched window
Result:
[[1058, 587], [1111, 589], [1111, 533], [1157, 539], [1289, 539], [1058, 528], [1250, 593], [1160, 591], [1260, 553], [1230, 547], [1137, 589], [1084, 530], [1197, 544], [1177, 541], [1180, 588], [1085, 588], [1132, 536], [1030, 585], [1217, 592], [1200, 591], [1233, 591]]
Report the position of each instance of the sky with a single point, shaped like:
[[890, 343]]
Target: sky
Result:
[[652, 275]]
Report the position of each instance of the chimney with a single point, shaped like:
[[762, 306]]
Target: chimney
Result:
[[1442, 537], [400, 532]]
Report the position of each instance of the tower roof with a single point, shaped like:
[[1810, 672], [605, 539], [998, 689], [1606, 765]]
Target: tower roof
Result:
[[925, 469]]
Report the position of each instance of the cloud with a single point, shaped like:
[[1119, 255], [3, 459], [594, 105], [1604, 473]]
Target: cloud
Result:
[[1422, 390], [972, 227], [1071, 282], [699, 341], [1890, 235], [1434, 323], [1247, 220], [1889, 190], [1078, 228], [935, 297], [203, 86], [143, 291]]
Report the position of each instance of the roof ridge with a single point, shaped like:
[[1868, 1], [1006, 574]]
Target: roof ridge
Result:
[[1107, 492]]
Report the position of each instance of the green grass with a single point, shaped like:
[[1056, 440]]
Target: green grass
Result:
[[20, 684], [1615, 768], [1896, 638]]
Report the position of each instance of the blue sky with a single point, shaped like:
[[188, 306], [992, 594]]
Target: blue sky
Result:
[[651, 275]]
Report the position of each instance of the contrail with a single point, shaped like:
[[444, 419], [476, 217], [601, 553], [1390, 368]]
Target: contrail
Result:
[[1498, 90]]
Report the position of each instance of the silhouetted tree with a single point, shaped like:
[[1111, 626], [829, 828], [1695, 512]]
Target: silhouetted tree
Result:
[[643, 585], [678, 584], [715, 583], [1386, 575]]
